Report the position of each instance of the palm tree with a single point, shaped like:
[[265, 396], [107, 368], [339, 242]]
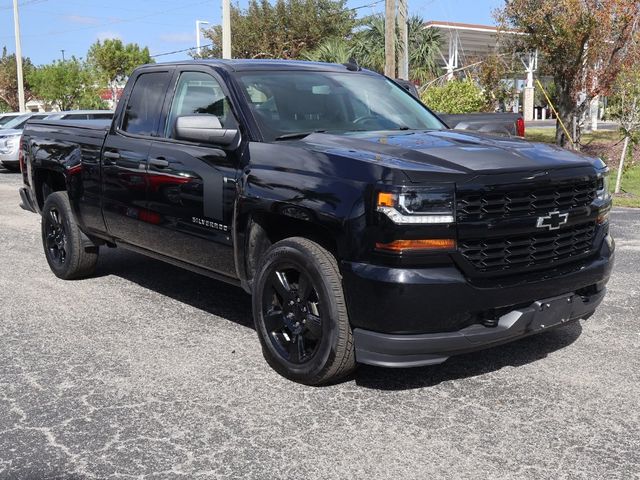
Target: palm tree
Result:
[[332, 50], [366, 45], [424, 50]]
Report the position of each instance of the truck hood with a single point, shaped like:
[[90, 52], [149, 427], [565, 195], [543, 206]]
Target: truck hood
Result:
[[448, 151], [9, 132]]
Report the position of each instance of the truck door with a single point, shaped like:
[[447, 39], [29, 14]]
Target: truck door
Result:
[[191, 186], [124, 159]]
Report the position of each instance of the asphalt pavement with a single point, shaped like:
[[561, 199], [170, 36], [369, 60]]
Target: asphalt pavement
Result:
[[147, 371]]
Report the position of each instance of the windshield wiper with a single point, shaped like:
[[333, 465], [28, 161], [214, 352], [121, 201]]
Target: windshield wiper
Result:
[[293, 136]]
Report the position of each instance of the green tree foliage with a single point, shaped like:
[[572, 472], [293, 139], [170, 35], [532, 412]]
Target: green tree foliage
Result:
[[456, 96], [114, 61], [9, 80], [424, 50], [332, 50], [281, 30], [67, 84], [490, 75], [366, 46], [583, 44]]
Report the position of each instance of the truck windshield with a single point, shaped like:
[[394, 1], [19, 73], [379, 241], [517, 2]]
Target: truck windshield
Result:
[[17, 122], [289, 103]]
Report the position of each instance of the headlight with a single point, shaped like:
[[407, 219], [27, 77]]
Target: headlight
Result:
[[603, 185], [9, 144], [418, 205]]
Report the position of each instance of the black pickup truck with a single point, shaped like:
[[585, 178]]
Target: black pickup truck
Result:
[[365, 230]]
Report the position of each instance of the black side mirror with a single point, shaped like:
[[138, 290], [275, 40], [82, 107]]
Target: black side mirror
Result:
[[204, 129]]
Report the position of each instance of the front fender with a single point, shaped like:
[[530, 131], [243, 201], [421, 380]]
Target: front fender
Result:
[[304, 186]]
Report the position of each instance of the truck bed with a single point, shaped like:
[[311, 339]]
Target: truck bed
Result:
[[494, 123], [99, 127]]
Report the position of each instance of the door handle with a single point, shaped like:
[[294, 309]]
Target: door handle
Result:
[[110, 157], [159, 162]]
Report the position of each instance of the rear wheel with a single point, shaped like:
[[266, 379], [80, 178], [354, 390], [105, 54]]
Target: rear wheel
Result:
[[300, 313], [69, 254]]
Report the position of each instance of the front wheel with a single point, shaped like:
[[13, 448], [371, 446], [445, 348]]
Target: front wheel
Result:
[[300, 313], [68, 254]]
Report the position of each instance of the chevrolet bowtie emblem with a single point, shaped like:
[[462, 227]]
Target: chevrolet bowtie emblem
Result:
[[553, 221]]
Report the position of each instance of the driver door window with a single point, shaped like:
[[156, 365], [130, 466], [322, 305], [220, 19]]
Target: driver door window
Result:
[[198, 93]]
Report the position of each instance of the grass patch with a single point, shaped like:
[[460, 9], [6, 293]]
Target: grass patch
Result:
[[606, 145], [630, 189], [544, 135], [548, 135]]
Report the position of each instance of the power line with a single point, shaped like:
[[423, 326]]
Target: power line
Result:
[[212, 44], [180, 51], [24, 4], [365, 6], [115, 21]]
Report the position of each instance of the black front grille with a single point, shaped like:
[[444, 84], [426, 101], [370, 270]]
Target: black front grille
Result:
[[510, 201], [533, 249]]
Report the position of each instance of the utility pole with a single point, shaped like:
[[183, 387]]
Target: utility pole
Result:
[[226, 29], [390, 38], [16, 26], [62, 54], [403, 14], [198, 31]]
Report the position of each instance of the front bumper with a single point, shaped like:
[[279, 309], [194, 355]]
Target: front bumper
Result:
[[10, 159], [409, 317], [26, 200], [388, 350]]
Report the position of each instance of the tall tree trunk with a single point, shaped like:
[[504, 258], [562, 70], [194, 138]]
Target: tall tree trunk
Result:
[[569, 112], [567, 119]]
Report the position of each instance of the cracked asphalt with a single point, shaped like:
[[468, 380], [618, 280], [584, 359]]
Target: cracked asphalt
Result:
[[147, 371]]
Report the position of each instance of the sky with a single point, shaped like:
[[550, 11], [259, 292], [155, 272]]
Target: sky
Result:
[[49, 26]]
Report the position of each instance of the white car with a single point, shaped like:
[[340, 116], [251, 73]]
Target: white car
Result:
[[7, 117], [10, 135], [12, 130], [82, 115]]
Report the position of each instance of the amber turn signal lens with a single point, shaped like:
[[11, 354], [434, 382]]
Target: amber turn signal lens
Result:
[[602, 218], [386, 199], [399, 246]]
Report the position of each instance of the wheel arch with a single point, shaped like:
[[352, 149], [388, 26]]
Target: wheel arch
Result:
[[263, 229], [45, 182]]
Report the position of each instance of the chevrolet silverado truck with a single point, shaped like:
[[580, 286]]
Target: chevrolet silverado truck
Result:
[[364, 229]]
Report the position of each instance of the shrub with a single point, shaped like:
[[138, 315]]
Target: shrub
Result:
[[456, 96]]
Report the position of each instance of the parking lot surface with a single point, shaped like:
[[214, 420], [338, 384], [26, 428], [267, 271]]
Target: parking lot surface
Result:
[[149, 371]]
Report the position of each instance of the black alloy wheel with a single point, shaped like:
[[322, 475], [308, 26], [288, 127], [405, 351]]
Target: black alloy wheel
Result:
[[300, 313], [69, 252], [291, 312], [56, 236]]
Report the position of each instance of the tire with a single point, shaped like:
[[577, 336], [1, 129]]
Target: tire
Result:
[[300, 313], [69, 253], [12, 167]]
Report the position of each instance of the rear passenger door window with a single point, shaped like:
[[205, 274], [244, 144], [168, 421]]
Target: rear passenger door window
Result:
[[144, 107]]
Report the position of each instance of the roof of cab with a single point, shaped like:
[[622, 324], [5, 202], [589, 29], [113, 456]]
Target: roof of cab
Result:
[[239, 65]]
